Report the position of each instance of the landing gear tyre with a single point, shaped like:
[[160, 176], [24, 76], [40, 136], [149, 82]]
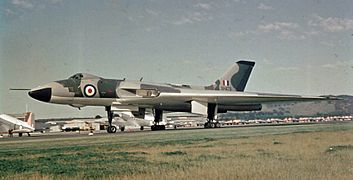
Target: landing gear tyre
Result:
[[212, 125], [141, 128], [111, 129], [122, 128], [157, 127], [218, 125]]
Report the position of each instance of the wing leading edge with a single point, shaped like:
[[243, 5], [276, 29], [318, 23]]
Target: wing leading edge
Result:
[[217, 97]]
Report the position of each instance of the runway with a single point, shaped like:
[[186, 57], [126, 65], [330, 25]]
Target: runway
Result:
[[38, 136]]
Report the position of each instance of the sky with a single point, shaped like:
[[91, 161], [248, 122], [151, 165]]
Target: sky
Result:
[[300, 47]]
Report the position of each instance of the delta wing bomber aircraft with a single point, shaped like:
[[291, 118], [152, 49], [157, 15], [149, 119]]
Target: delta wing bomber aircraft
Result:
[[225, 94]]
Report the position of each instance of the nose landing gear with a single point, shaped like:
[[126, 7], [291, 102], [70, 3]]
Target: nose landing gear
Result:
[[111, 128]]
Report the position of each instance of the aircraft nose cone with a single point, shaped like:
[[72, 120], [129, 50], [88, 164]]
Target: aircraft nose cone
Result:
[[41, 94]]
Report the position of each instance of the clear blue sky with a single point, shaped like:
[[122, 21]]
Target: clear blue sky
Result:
[[300, 47]]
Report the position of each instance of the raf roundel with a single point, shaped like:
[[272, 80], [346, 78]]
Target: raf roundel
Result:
[[89, 90]]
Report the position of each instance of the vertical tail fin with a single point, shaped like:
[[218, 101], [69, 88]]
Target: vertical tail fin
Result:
[[29, 118], [236, 77]]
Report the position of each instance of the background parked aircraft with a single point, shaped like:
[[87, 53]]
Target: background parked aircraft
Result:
[[20, 124]]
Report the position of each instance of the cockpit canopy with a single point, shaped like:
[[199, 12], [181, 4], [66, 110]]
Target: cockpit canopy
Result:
[[80, 76]]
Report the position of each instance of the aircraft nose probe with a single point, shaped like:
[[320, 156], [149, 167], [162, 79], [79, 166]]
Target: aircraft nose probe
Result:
[[41, 94]]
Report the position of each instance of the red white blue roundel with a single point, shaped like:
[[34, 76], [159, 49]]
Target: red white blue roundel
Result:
[[90, 90]]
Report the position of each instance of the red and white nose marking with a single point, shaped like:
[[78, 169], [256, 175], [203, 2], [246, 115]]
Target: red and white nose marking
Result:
[[90, 90]]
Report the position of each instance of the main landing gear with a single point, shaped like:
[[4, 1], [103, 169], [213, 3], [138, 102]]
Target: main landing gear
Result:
[[211, 111], [111, 128], [158, 116], [210, 124]]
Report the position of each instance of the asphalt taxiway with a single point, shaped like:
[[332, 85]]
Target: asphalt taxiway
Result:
[[37, 136]]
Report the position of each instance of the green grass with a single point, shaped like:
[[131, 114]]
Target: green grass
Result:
[[319, 151]]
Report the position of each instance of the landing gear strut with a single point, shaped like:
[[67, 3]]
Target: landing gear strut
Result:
[[211, 111], [111, 128], [158, 116]]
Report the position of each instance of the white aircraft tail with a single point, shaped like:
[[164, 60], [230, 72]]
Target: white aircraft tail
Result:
[[29, 118]]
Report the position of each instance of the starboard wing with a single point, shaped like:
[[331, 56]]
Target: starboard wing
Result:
[[217, 97]]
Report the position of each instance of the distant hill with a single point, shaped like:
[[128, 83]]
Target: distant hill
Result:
[[297, 109]]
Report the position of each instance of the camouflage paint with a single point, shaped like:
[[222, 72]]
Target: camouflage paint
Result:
[[73, 85], [107, 88], [237, 75], [240, 79]]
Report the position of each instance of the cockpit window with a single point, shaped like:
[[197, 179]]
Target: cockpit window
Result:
[[77, 76]]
